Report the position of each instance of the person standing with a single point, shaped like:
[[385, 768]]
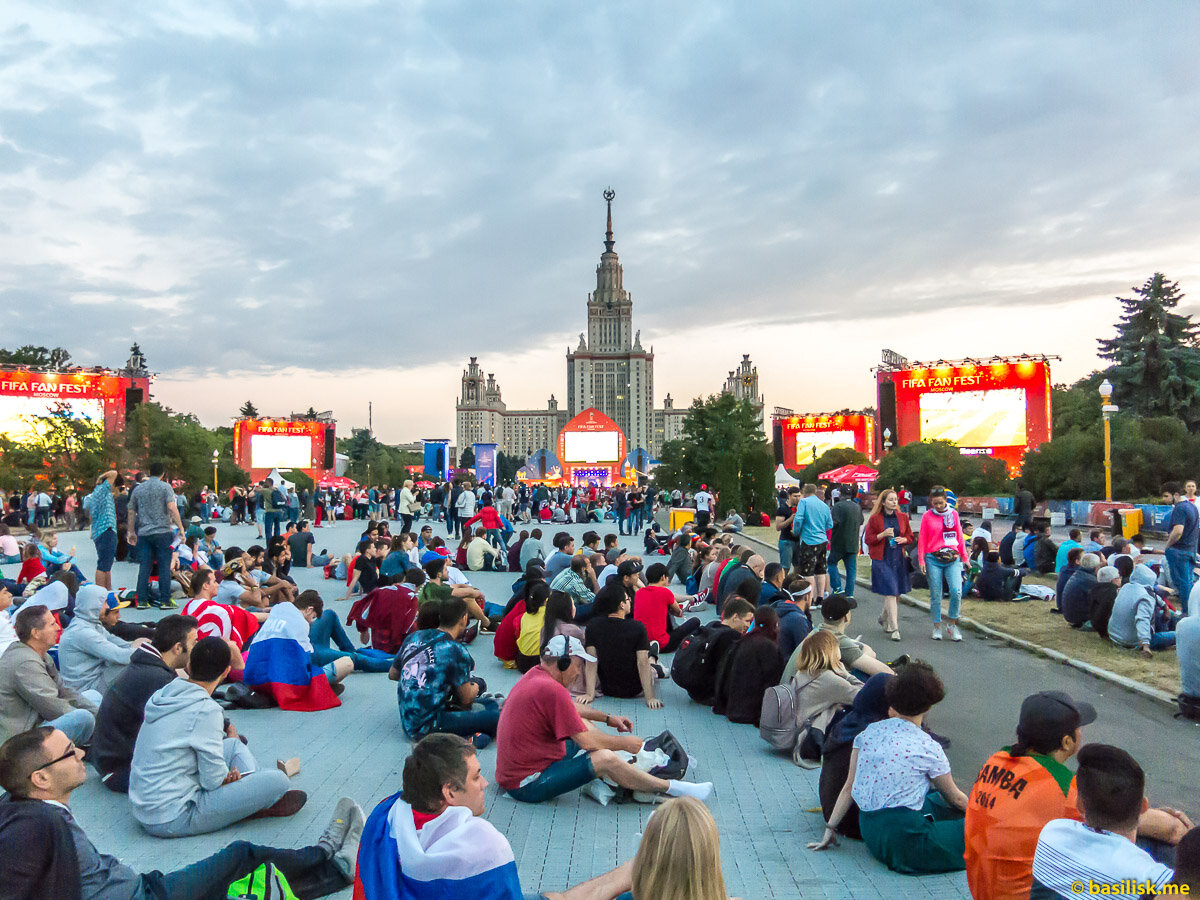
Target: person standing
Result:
[[637, 507], [152, 512], [812, 550], [621, 509], [704, 502], [784, 518], [103, 510], [1183, 535], [845, 540], [888, 535], [941, 550], [1023, 505], [407, 505]]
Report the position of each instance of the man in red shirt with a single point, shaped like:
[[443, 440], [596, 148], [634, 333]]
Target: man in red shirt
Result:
[[654, 605], [544, 748]]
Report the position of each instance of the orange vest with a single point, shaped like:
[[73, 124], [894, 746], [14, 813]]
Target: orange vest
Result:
[[1012, 798]]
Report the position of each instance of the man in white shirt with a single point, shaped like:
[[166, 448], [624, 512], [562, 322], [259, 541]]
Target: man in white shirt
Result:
[[704, 502]]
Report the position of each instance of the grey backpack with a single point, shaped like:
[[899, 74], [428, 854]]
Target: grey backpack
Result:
[[777, 722]]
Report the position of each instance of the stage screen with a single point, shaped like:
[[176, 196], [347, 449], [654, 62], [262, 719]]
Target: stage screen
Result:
[[994, 418], [811, 444], [591, 446], [16, 413], [283, 451]]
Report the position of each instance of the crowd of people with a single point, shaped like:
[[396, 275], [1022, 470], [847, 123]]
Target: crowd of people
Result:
[[586, 619]]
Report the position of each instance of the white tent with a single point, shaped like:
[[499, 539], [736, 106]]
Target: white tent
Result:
[[279, 481], [783, 478]]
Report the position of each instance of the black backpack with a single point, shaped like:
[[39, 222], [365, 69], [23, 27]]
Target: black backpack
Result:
[[695, 665]]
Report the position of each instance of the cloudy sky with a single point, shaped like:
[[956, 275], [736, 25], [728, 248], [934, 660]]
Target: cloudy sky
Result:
[[325, 204]]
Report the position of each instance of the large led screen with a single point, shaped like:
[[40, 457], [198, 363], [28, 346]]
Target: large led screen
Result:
[[282, 451], [811, 444], [975, 418], [590, 446], [18, 415]]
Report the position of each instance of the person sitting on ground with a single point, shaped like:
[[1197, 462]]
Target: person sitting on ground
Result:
[[1187, 863], [302, 544], [858, 657], [793, 606], [578, 580], [679, 854], [679, 565], [560, 619], [870, 705], [1065, 571], [744, 580], [152, 666], [364, 577], [8, 634], [190, 774], [45, 853], [281, 662], [774, 576], [1102, 597], [564, 549], [1101, 849], [90, 657], [32, 573], [1072, 542], [696, 671], [1075, 604], [654, 605], [436, 690], [274, 588], [532, 549], [31, 690], [437, 587], [1002, 825], [543, 747], [1140, 620], [481, 555], [212, 548], [998, 582], [388, 615], [417, 838], [1044, 554], [529, 627], [907, 826], [822, 687], [622, 656], [54, 559], [733, 523], [1005, 547], [230, 623], [236, 587], [751, 666], [397, 561]]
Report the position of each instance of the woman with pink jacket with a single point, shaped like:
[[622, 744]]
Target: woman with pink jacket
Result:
[[940, 554]]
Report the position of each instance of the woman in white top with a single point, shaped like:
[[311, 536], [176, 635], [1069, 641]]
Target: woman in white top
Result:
[[893, 766]]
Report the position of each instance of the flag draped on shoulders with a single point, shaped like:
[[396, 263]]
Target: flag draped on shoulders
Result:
[[280, 663], [457, 855], [222, 620]]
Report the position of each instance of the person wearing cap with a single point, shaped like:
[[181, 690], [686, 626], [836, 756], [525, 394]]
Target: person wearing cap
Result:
[[544, 748], [858, 657], [195, 528], [704, 503], [90, 657], [622, 578], [1140, 620], [1074, 602], [1102, 596], [623, 655]]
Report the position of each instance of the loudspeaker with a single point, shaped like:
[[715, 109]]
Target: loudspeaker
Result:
[[887, 414], [777, 441], [441, 461], [133, 399], [328, 461]]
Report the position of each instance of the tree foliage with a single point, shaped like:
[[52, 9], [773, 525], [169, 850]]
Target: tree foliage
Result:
[[248, 410], [61, 451], [36, 356], [1155, 355], [372, 462], [919, 466], [722, 447], [185, 447]]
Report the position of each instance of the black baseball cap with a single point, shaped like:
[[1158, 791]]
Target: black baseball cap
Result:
[[629, 567], [836, 606], [1050, 715]]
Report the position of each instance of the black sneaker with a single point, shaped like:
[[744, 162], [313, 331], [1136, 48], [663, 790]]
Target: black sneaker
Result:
[[654, 649]]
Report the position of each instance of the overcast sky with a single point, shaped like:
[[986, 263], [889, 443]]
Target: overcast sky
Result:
[[323, 204]]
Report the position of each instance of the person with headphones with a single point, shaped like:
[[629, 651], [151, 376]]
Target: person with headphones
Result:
[[545, 749]]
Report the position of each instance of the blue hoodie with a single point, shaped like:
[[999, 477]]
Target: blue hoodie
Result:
[[794, 625]]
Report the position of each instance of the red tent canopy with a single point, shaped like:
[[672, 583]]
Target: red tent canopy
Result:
[[847, 474], [337, 481]]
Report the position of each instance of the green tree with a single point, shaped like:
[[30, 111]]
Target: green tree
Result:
[[1155, 354], [830, 460], [722, 447], [39, 357], [919, 466], [506, 467], [185, 447], [248, 410], [466, 459]]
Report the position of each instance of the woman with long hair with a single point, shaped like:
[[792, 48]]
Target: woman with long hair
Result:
[[752, 665], [560, 619], [679, 856], [821, 686], [888, 536], [529, 629]]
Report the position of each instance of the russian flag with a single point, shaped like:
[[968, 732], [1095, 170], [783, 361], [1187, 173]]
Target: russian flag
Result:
[[457, 855], [280, 664]]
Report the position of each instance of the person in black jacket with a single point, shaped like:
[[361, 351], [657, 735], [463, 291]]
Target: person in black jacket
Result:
[[1076, 605], [997, 582], [151, 667], [752, 665], [1045, 552]]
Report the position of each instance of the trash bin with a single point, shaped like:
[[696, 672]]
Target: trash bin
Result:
[[1131, 521], [680, 515]]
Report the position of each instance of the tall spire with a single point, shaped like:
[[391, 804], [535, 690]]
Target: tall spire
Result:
[[609, 194]]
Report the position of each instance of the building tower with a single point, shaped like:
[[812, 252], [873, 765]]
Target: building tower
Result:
[[610, 369], [743, 384]]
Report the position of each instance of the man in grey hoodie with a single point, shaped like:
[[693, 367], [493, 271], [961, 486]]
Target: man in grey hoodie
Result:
[[190, 773], [90, 657]]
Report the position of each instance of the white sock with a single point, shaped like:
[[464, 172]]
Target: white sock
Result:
[[699, 790]]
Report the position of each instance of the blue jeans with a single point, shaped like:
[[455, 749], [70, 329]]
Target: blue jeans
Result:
[[573, 771], [272, 523], [622, 521], [940, 574], [483, 716], [77, 725], [328, 628], [151, 547], [1162, 640], [786, 550], [1182, 565], [850, 561], [211, 877]]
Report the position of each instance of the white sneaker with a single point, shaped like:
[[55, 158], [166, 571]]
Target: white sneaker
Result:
[[937, 632], [955, 634], [896, 635]]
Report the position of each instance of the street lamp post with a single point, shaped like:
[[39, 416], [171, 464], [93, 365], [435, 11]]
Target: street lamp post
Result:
[[216, 487], [1106, 391], [887, 439]]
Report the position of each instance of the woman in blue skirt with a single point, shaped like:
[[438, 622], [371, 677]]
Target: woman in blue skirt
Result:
[[888, 536]]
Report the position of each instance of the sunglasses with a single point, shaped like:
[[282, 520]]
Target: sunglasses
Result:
[[70, 754]]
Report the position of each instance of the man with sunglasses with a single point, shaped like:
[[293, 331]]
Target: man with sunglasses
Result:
[[31, 690], [44, 853]]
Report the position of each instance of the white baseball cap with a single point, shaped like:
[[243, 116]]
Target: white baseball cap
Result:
[[561, 645]]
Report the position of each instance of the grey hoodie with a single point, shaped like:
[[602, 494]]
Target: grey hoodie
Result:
[[89, 657], [178, 754]]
